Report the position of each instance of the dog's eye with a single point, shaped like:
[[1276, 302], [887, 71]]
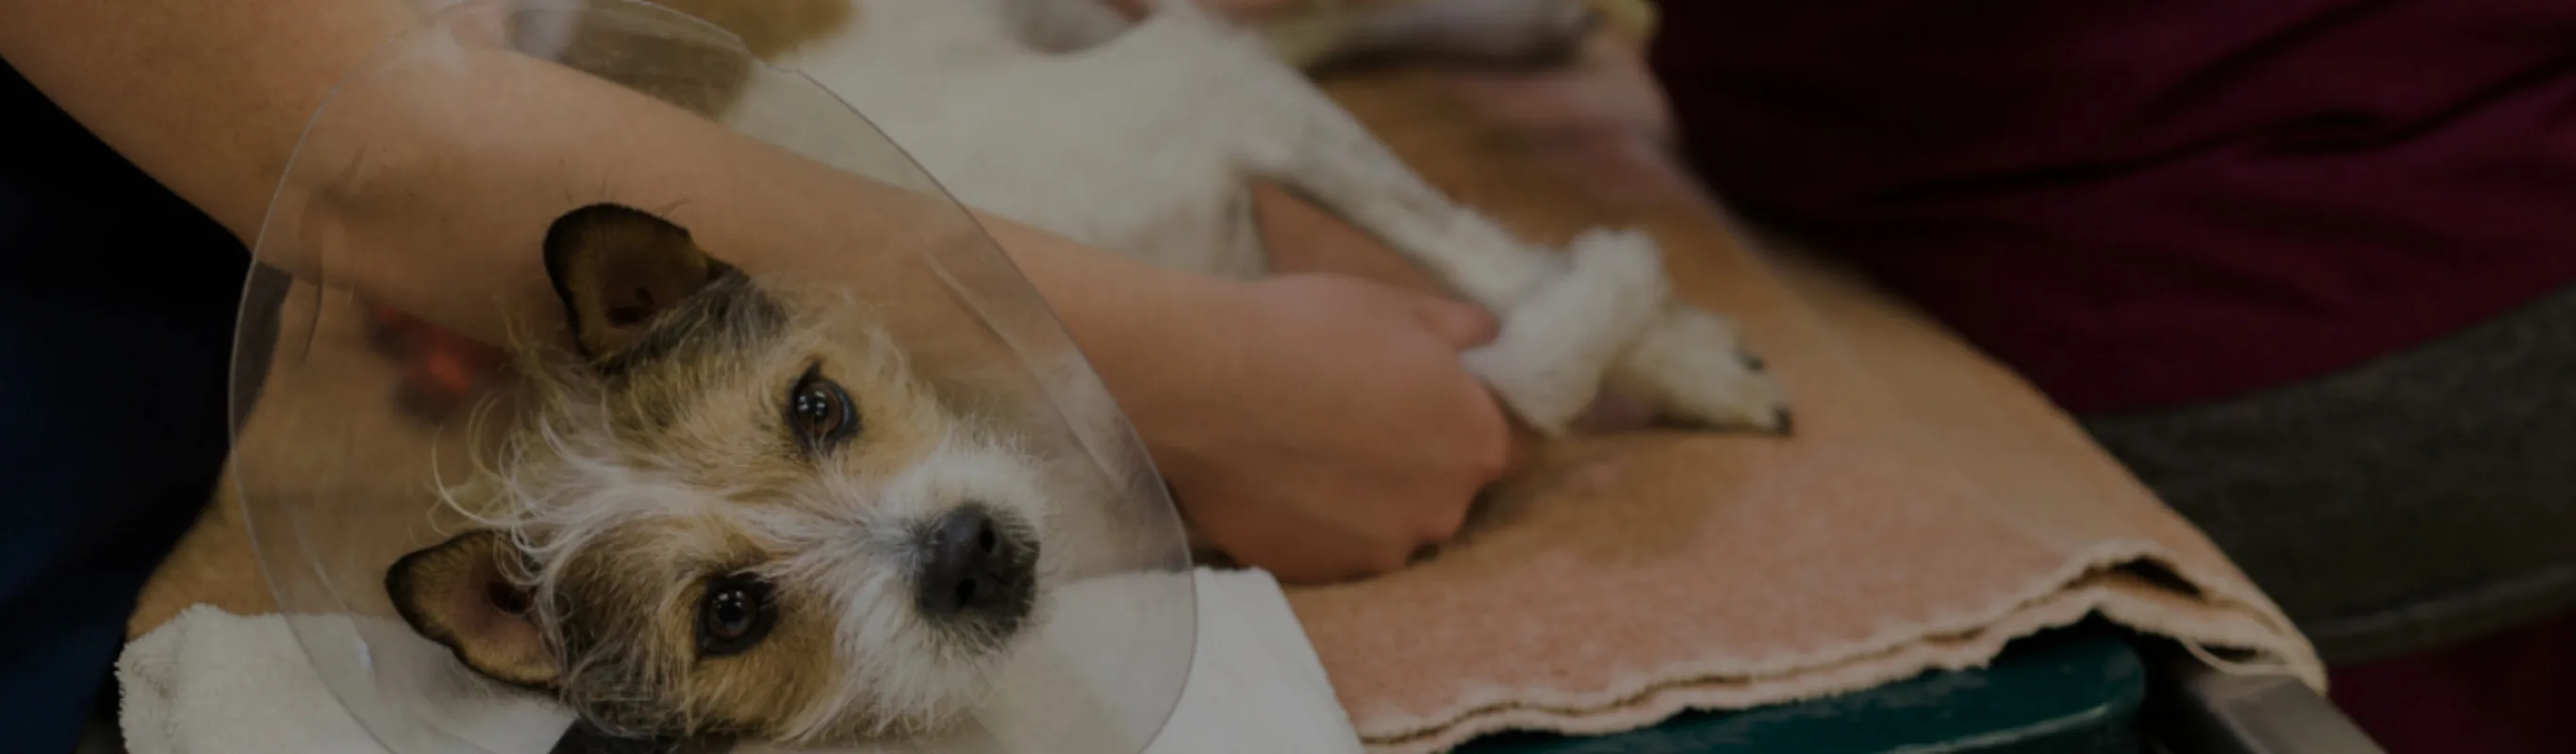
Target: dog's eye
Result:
[[820, 411], [734, 615]]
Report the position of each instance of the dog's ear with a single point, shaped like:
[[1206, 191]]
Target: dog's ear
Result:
[[455, 593], [615, 267]]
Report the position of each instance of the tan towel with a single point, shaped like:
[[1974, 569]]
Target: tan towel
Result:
[[1931, 507]]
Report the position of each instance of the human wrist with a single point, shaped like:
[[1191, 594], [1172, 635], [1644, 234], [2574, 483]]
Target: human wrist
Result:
[[1168, 356], [1161, 340]]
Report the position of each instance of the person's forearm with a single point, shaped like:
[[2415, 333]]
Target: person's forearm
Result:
[[443, 214], [440, 183], [205, 95]]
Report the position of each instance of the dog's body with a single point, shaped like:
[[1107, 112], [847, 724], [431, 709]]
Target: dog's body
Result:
[[738, 511], [1145, 139]]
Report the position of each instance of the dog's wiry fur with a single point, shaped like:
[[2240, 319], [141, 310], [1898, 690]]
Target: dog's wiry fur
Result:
[[659, 461]]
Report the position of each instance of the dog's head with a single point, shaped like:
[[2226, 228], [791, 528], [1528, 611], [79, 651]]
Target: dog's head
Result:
[[733, 511]]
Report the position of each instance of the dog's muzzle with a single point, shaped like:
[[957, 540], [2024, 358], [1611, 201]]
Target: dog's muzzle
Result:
[[977, 570]]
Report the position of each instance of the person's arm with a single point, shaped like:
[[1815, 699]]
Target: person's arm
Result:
[[464, 161], [1322, 428]]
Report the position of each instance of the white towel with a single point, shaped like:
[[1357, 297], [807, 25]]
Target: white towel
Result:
[[210, 682]]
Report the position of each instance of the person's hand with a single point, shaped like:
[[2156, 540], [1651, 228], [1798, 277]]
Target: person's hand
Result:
[[1350, 435]]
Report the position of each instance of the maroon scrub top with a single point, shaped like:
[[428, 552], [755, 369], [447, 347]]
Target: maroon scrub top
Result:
[[2144, 202]]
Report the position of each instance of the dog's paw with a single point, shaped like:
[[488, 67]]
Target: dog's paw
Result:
[[1558, 342], [1696, 372]]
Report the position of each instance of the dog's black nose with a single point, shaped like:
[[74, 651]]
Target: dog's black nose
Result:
[[976, 569]]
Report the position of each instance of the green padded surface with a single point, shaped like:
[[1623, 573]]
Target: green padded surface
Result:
[[2073, 690]]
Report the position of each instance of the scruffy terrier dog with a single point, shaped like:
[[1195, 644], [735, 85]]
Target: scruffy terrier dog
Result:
[[736, 511]]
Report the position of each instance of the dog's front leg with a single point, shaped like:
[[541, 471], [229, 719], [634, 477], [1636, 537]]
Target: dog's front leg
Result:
[[1601, 311], [1564, 317]]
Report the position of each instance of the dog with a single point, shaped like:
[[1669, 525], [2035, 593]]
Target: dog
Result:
[[734, 510]]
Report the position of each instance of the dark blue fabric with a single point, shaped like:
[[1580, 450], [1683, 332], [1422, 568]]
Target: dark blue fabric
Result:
[[116, 313]]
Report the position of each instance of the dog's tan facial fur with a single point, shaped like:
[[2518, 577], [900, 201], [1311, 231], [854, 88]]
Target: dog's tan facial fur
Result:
[[723, 515]]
